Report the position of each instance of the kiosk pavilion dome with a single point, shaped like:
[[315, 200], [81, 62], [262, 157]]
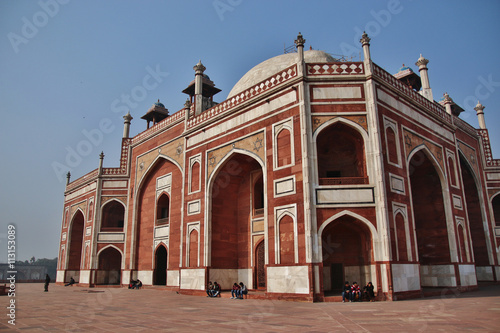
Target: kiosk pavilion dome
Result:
[[271, 66]]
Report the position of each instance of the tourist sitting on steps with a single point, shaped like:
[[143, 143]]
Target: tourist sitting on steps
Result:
[[210, 289], [368, 293], [235, 291], [243, 290], [71, 282], [346, 291], [355, 292], [216, 292]]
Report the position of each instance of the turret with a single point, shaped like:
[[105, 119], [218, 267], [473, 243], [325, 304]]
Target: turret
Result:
[[126, 125], [422, 68], [201, 90], [480, 115]]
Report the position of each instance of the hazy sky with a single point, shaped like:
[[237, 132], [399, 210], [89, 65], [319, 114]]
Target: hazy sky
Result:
[[69, 67]]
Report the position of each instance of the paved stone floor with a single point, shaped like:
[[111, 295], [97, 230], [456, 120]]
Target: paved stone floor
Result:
[[78, 309]]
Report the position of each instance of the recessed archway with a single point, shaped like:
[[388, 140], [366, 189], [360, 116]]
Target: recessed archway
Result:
[[113, 216], [75, 245], [341, 155], [428, 211], [347, 252], [109, 266], [233, 202], [474, 207]]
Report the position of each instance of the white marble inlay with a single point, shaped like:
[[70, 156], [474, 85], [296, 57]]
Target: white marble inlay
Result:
[[284, 186], [406, 277], [288, 279], [146, 277], [344, 195], [111, 237], [467, 275], [193, 279], [336, 92], [161, 231], [194, 207], [172, 278], [493, 176], [457, 201], [397, 184], [484, 273], [114, 184]]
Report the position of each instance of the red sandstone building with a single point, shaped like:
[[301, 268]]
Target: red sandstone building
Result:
[[313, 171]]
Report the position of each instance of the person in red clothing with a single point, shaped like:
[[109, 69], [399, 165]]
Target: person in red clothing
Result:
[[235, 291], [355, 290]]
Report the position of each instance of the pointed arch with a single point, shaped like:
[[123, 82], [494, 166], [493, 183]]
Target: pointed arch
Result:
[[110, 263], [478, 223], [113, 215], [136, 211], [337, 171], [212, 190], [346, 249], [417, 160]]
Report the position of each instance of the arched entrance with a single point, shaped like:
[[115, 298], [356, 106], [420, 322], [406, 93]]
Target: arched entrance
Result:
[[429, 214], [75, 247], [347, 253], [472, 200], [160, 272], [109, 268], [237, 202]]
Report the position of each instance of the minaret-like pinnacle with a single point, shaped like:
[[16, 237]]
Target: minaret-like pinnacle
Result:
[[365, 39], [199, 68], [300, 41]]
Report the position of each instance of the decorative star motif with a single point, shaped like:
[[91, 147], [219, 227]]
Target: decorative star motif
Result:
[[361, 120], [178, 150], [439, 155], [408, 140], [317, 121], [472, 159], [141, 166], [212, 161], [257, 144]]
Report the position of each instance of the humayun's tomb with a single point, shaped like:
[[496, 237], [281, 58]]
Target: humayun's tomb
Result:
[[311, 172]]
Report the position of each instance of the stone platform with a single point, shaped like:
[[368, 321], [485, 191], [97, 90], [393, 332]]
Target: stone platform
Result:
[[79, 309]]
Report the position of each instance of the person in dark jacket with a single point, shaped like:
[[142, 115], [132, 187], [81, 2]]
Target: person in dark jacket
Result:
[[47, 281], [71, 282], [346, 291], [368, 292]]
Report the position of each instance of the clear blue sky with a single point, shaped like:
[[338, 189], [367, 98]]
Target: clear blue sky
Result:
[[65, 67]]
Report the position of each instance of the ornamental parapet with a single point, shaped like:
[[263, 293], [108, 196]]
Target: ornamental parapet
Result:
[[258, 89], [487, 153], [174, 118], [430, 107], [337, 68], [92, 175]]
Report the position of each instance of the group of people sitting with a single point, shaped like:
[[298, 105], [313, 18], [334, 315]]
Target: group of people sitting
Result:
[[238, 290], [213, 290], [135, 284], [353, 293]]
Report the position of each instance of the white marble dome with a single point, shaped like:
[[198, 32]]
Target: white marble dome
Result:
[[274, 65]]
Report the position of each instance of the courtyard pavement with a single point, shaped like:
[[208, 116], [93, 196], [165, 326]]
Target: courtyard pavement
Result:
[[78, 309]]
